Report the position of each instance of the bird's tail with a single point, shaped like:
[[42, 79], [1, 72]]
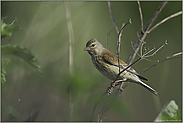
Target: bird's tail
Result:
[[148, 87]]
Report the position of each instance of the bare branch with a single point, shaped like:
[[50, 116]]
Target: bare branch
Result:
[[141, 18], [123, 26], [118, 44], [13, 21], [164, 20], [101, 98], [102, 113], [141, 48], [119, 36], [143, 35], [112, 17], [119, 41], [174, 56], [113, 84], [107, 36], [144, 56], [155, 15]]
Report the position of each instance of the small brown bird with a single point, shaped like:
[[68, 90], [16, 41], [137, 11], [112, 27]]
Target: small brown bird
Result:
[[107, 64]]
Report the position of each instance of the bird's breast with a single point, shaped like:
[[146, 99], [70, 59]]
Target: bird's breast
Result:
[[107, 70]]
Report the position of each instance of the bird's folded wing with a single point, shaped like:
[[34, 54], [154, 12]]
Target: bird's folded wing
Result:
[[112, 59]]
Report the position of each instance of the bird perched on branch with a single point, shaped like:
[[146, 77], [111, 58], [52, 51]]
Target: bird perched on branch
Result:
[[107, 64]]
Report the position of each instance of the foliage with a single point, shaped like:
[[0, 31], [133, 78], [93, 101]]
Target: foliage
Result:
[[170, 113], [7, 29], [10, 110], [5, 63], [3, 73], [16, 50], [23, 53]]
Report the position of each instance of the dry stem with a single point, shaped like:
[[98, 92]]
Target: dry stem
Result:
[[177, 55], [71, 41], [144, 33]]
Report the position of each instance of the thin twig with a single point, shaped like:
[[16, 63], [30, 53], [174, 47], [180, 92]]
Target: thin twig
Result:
[[96, 105], [143, 35], [102, 113], [155, 16], [13, 21], [123, 26], [147, 52], [119, 40], [107, 36], [164, 20], [118, 44], [112, 17], [141, 17], [155, 51], [141, 48], [143, 56], [106, 107], [174, 56]]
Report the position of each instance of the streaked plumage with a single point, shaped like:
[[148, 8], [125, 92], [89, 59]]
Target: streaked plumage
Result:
[[107, 64]]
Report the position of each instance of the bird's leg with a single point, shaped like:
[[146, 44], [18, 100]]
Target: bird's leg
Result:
[[109, 90], [113, 84], [118, 82]]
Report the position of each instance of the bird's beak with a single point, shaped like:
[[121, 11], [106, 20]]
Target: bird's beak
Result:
[[87, 49]]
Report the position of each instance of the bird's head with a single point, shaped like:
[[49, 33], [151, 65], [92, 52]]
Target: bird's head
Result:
[[94, 47]]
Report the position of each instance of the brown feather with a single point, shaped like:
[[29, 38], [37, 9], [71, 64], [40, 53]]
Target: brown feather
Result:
[[112, 59]]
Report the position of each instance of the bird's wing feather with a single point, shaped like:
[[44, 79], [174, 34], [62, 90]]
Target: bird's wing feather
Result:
[[112, 59]]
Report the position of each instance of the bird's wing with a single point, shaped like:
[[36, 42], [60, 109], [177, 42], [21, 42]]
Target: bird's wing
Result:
[[112, 59]]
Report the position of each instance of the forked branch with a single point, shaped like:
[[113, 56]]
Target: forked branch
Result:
[[174, 56], [143, 34], [164, 20]]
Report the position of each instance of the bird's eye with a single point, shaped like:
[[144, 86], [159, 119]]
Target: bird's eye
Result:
[[93, 45]]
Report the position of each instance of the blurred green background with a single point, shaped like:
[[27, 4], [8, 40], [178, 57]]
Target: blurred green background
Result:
[[64, 97]]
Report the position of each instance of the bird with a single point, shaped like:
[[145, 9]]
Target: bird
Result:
[[107, 64]]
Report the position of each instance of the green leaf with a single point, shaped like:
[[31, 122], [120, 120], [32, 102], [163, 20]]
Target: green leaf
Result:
[[169, 113], [4, 65], [21, 52], [7, 29], [3, 74], [12, 111]]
